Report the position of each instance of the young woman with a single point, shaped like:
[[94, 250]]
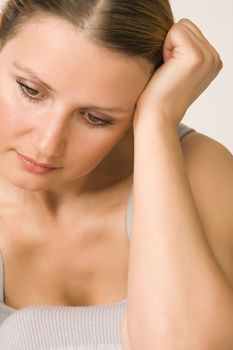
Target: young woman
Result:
[[92, 95]]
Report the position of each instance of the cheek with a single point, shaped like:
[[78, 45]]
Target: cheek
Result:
[[16, 121], [8, 120], [97, 146]]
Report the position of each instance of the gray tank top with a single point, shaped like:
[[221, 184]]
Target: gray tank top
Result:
[[43, 327]]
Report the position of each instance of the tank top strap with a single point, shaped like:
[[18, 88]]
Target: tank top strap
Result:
[[182, 131], [1, 279]]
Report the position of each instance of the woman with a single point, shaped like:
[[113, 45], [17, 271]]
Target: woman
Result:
[[92, 95]]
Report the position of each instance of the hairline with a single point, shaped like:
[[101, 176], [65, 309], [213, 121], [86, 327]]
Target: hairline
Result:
[[35, 17]]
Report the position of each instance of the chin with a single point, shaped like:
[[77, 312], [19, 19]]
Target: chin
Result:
[[24, 183]]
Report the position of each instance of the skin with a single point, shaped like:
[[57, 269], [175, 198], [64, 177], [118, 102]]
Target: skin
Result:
[[43, 228], [50, 139], [53, 130], [180, 236]]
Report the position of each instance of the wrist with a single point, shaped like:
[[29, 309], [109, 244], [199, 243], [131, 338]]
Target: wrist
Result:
[[155, 119]]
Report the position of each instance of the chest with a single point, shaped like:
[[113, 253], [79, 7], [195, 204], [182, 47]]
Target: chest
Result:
[[84, 264]]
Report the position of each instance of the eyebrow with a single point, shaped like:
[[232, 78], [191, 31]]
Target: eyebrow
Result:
[[34, 76], [31, 74]]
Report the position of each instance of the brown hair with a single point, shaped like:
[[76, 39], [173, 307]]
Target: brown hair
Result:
[[132, 27]]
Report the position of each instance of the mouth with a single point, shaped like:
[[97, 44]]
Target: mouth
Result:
[[33, 166], [34, 162]]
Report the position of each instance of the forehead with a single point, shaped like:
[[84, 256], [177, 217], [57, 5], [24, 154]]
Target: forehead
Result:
[[66, 58]]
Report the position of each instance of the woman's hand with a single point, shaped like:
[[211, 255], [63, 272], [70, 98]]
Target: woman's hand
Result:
[[190, 64]]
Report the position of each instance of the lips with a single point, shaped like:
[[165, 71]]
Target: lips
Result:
[[35, 163]]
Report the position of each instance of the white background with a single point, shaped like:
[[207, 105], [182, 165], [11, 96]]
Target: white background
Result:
[[212, 113]]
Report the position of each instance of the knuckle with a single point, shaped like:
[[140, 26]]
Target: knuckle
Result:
[[212, 65], [215, 61], [184, 20], [219, 63], [176, 30], [175, 26], [219, 66]]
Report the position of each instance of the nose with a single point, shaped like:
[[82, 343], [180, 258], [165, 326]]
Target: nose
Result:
[[50, 138]]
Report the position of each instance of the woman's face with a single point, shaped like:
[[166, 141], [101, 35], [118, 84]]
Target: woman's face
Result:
[[65, 113]]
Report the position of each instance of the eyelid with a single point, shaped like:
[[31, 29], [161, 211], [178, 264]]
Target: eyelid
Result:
[[27, 86], [104, 118], [97, 114]]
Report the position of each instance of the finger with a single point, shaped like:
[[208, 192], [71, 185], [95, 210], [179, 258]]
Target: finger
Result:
[[182, 33], [194, 38], [205, 46], [186, 22], [189, 24], [193, 43]]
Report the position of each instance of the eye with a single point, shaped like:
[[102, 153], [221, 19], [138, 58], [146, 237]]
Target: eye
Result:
[[32, 95], [93, 121], [27, 92]]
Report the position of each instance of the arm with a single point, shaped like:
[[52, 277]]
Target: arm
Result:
[[178, 295], [175, 282]]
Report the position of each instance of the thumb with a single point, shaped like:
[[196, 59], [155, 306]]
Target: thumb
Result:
[[167, 46]]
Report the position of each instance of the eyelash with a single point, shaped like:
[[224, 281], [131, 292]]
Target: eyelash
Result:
[[21, 87]]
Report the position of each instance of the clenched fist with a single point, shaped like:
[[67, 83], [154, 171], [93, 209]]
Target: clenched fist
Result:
[[190, 65]]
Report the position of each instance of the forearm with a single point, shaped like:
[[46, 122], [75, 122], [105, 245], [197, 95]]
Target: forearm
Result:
[[175, 284]]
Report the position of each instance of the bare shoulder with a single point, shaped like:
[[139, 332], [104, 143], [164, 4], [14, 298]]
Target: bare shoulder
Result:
[[209, 166]]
